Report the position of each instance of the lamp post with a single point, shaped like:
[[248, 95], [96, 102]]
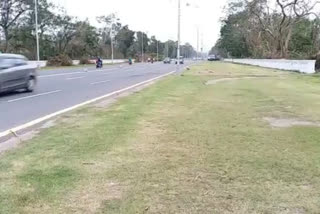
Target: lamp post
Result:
[[179, 27], [111, 37], [142, 54], [157, 50], [37, 35]]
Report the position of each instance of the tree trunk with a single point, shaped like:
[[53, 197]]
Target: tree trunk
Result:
[[285, 48], [6, 42]]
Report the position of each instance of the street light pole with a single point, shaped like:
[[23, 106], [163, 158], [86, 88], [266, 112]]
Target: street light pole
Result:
[[197, 42], [111, 37], [179, 26], [37, 35], [142, 54], [157, 50]]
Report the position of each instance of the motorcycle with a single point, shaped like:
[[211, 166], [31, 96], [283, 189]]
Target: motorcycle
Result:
[[99, 64]]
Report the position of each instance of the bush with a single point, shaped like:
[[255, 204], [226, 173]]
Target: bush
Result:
[[85, 61], [59, 60]]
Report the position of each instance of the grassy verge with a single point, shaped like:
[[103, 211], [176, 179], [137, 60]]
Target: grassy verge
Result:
[[74, 66], [65, 67], [180, 146]]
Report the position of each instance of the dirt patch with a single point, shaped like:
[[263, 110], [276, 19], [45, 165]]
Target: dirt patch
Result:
[[215, 81], [13, 142], [224, 78], [93, 196], [287, 123]]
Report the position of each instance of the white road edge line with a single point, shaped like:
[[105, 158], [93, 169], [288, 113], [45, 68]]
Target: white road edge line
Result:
[[78, 72], [39, 120], [96, 83], [75, 78], [64, 74], [33, 96], [101, 70]]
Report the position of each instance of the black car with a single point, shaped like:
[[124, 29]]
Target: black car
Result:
[[213, 58], [16, 73]]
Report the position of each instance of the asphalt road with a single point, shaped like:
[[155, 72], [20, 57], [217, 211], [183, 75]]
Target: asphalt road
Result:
[[63, 88]]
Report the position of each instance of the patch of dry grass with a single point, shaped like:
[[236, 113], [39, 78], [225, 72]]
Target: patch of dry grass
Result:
[[179, 146]]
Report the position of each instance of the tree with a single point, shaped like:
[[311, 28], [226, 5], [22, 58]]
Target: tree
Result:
[[108, 31], [11, 11], [64, 32], [187, 51], [85, 41], [259, 28], [125, 39], [232, 39]]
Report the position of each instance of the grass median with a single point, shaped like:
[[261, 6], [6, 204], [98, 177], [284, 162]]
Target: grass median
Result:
[[222, 138]]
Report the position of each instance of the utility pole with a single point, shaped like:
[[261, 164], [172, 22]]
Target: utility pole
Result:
[[111, 37], [157, 50], [201, 46], [37, 35], [142, 55], [179, 26], [197, 42], [167, 48]]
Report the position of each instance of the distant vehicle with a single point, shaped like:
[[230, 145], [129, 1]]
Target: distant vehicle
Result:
[[167, 60], [16, 73], [180, 60], [197, 59], [99, 63], [213, 58]]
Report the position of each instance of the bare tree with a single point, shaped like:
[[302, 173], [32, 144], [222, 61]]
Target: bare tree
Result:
[[277, 23]]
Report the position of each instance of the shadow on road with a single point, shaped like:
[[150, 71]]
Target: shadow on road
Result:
[[11, 93]]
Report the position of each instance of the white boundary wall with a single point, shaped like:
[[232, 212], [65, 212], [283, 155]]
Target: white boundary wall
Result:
[[76, 62], [303, 66]]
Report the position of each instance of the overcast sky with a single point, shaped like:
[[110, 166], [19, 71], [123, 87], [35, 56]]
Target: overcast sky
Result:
[[156, 17]]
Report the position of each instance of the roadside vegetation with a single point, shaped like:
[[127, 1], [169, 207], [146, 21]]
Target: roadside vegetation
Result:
[[62, 34], [286, 29], [188, 144]]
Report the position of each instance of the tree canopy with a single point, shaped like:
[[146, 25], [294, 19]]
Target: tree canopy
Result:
[[270, 29], [60, 33]]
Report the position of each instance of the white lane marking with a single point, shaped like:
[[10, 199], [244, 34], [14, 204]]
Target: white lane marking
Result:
[[33, 96], [96, 83], [78, 72], [101, 70], [55, 75], [47, 117], [74, 78], [105, 74]]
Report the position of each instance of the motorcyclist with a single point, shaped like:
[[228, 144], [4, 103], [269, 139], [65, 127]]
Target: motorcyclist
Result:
[[99, 62]]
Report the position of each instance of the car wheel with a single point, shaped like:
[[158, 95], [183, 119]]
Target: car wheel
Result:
[[31, 84]]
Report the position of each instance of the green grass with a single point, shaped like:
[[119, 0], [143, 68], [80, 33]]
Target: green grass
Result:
[[180, 146], [65, 67], [73, 66]]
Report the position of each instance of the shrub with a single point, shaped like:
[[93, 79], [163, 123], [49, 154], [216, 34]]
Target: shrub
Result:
[[85, 61], [59, 60]]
